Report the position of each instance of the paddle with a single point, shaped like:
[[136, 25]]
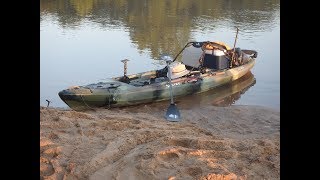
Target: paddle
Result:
[[172, 113]]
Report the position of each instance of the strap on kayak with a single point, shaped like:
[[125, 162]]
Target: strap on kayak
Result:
[[86, 103]]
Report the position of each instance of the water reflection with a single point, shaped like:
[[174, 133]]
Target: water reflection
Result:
[[223, 96], [163, 26]]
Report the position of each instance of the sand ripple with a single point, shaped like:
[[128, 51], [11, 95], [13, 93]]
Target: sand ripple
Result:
[[237, 142]]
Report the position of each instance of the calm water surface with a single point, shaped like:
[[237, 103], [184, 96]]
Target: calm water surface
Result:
[[83, 42]]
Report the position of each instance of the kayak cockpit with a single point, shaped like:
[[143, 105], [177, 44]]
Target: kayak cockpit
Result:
[[197, 58]]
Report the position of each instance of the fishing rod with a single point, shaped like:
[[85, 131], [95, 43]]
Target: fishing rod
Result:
[[234, 47]]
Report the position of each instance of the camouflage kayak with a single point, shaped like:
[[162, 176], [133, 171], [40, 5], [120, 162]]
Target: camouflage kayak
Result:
[[201, 68]]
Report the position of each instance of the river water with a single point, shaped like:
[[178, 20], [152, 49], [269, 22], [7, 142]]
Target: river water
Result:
[[84, 42]]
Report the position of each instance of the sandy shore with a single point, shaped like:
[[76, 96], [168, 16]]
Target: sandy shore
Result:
[[236, 142]]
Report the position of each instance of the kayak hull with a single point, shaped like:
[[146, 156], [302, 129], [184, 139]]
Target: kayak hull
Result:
[[114, 93]]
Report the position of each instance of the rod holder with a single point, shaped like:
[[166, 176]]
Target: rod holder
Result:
[[125, 67]]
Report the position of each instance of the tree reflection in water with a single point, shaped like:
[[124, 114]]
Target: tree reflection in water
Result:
[[163, 26]]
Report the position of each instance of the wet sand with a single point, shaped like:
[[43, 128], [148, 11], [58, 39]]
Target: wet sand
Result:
[[235, 142]]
